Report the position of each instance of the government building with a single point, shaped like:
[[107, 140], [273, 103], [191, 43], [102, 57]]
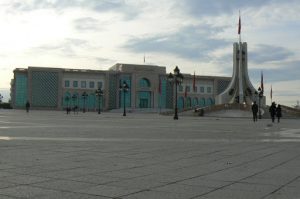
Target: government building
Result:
[[58, 88]]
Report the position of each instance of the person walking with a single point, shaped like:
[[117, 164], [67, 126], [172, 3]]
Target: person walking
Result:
[[272, 111], [278, 113], [27, 106], [254, 111]]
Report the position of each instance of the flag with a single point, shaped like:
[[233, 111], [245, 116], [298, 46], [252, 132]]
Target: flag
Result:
[[262, 82], [194, 82], [271, 93], [240, 26], [185, 92]]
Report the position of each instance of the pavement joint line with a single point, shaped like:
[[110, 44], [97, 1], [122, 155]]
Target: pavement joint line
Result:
[[281, 187], [68, 191], [219, 170], [239, 181]]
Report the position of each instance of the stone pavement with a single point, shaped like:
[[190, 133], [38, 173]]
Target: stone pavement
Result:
[[48, 154]]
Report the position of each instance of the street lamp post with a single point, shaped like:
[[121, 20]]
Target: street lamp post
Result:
[[177, 78], [260, 95], [84, 96], [99, 93], [124, 87]]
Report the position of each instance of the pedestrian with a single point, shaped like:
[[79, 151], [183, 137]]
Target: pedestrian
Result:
[[272, 111], [27, 106], [278, 113], [254, 111]]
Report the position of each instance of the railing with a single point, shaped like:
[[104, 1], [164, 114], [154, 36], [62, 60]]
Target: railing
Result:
[[202, 110]]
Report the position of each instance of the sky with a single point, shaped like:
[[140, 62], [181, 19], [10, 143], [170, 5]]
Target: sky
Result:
[[196, 35]]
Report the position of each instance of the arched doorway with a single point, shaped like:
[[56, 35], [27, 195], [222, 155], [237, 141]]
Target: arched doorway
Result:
[[195, 102], [188, 102], [91, 101], [67, 100], [210, 101], [180, 103], [202, 102]]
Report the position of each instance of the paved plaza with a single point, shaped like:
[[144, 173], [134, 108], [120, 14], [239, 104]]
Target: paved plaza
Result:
[[48, 154]]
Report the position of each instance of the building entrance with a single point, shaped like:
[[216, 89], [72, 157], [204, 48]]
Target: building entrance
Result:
[[144, 103], [144, 100]]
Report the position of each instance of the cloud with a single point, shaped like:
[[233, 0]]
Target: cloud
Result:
[[266, 53], [120, 6], [86, 24], [285, 71], [200, 8], [102, 60], [192, 42], [67, 47]]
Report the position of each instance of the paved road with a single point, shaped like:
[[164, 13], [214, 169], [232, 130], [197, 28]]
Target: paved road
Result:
[[48, 154]]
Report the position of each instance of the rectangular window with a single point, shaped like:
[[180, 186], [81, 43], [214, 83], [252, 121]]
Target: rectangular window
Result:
[[208, 89], [67, 83], [83, 84], [99, 84], [201, 89], [75, 84], [188, 89], [180, 88], [92, 84]]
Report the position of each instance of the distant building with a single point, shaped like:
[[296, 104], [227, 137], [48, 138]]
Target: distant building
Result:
[[58, 88]]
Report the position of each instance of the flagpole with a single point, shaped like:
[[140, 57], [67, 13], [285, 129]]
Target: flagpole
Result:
[[271, 94], [240, 26]]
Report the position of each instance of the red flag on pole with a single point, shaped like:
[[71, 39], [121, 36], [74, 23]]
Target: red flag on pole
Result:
[[194, 82], [262, 82], [239, 30]]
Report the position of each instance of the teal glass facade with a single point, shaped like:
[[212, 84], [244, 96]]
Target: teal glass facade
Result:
[[21, 85], [113, 90], [162, 93], [44, 89]]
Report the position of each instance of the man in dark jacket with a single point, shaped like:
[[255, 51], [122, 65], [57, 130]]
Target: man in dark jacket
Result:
[[278, 112], [27, 106], [254, 111], [272, 111]]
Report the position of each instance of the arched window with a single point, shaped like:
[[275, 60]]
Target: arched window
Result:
[[202, 102], [195, 102], [67, 99], [180, 103], [210, 101], [144, 83], [188, 102]]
